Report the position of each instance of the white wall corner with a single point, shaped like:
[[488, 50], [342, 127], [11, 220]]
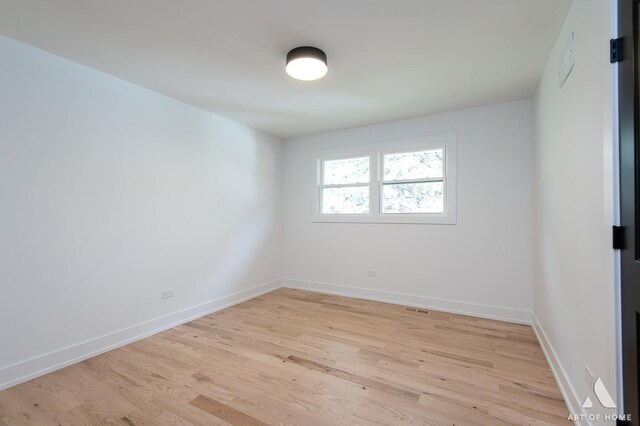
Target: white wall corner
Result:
[[23, 371], [571, 398], [452, 306]]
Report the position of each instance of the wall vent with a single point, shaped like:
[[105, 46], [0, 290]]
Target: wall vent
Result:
[[417, 310]]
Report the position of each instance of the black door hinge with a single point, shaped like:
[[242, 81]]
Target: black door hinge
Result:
[[618, 237], [615, 53]]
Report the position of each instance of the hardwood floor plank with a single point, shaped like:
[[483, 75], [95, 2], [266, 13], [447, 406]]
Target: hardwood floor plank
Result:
[[363, 381], [225, 412]]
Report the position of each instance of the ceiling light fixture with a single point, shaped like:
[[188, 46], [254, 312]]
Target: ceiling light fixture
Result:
[[306, 63]]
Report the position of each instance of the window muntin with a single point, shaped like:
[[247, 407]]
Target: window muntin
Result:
[[345, 186], [413, 182]]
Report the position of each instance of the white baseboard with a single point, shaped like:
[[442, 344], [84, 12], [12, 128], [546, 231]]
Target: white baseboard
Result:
[[445, 305], [574, 404], [14, 374]]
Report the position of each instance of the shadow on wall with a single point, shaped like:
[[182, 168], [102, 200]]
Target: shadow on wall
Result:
[[232, 267]]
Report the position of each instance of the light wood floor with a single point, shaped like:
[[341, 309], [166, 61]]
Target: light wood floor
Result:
[[295, 357]]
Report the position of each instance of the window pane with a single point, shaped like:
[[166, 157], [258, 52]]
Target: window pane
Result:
[[346, 200], [414, 165], [425, 197], [346, 170]]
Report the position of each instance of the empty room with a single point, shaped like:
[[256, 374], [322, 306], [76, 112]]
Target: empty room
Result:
[[336, 212]]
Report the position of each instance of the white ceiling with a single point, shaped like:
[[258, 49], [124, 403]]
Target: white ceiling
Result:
[[388, 59]]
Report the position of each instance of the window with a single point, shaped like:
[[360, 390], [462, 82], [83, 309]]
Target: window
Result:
[[345, 186], [408, 181], [413, 182]]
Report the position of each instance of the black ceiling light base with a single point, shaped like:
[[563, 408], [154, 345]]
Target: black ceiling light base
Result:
[[306, 52]]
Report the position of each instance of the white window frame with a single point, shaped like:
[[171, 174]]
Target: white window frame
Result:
[[375, 152]]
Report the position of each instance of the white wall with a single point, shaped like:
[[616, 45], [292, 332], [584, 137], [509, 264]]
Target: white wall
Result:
[[110, 194], [482, 265], [573, 266]]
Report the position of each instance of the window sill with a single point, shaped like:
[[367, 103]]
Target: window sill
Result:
[[423, 219]]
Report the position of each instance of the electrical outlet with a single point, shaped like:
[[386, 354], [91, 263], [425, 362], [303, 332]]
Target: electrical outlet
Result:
[[588, 376], [372, 273], [167, 294]]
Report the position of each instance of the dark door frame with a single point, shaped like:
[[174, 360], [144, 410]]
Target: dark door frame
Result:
[[629, 203]]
